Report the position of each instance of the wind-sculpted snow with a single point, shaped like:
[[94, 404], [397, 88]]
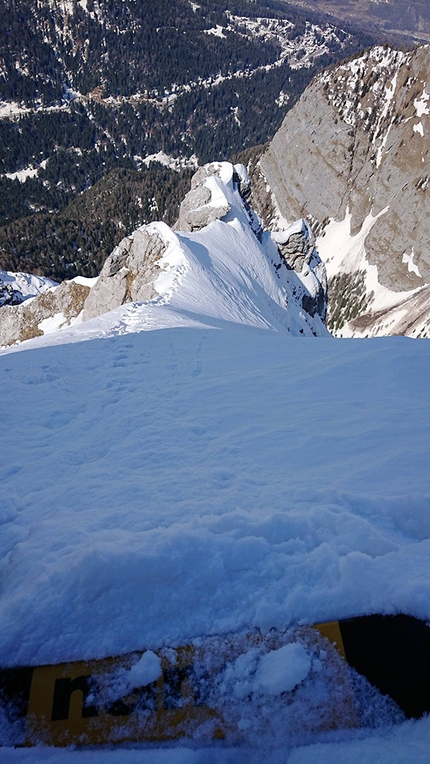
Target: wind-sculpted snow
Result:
[[184, 482]]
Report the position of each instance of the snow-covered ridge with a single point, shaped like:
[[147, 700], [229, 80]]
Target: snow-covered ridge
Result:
[[218, 266]]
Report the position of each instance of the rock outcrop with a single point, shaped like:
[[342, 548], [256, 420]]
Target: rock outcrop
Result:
[[128, 274], [296, 246], [56, 307], [199, 208]]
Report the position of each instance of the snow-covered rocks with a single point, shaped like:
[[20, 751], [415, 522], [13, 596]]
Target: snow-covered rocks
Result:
[[54, 308], [202, 205], [17, 287], [296, 245]]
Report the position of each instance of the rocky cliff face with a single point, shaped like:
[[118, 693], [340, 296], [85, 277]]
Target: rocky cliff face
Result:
[[128, 273], [353, 157]]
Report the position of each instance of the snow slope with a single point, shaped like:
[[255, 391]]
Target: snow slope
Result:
[[196, 471], [398, 312], [232, 476]]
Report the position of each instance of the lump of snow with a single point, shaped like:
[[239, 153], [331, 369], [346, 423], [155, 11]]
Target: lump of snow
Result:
[[275, 672], [409, 261], [421, 104], [146, 671], [282, 670]]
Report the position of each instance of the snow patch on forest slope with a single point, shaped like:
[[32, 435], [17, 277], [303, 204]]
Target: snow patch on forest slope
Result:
[[17, 287]]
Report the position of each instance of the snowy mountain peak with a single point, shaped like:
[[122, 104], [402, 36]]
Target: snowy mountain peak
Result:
[[219, 265]]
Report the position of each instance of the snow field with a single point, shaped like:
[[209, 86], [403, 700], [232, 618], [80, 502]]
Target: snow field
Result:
[[342, 252], [170, 484]]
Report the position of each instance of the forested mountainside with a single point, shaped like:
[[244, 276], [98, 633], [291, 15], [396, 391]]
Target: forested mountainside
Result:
[[77, 238], [91, 92]]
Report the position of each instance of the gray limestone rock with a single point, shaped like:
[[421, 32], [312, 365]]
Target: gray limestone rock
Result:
[[196, 210], [358, 141], [128, 274], [353, 141], [296, 246], [25, 321]]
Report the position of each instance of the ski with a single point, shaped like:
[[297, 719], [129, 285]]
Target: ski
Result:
[[193, 690]]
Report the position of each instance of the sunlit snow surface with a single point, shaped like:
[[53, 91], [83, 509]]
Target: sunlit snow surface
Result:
[[343, 253], [25, 284]]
